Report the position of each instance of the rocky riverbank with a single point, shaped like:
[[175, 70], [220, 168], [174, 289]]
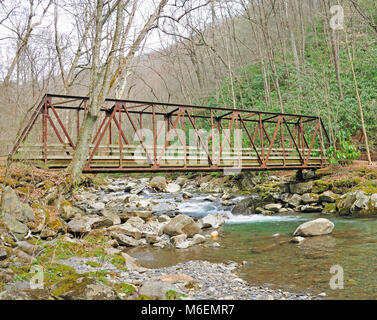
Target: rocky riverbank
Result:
[[84, 236]]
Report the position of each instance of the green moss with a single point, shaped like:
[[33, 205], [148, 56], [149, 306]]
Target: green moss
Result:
[[173, 295], [93, 264], [329, 208], [119, 262], [320, 186], [143, 297], [56, 272]]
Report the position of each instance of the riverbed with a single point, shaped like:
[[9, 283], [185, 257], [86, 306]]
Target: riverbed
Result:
[[261, 244]]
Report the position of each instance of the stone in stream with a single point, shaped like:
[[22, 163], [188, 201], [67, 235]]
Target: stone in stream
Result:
[[244, 206], [132, 264], [297, 239], [211, 221], [275, 207], [198, 238], [172, 187], [180, 241], [158, 182], [182, 224], [320, 226]]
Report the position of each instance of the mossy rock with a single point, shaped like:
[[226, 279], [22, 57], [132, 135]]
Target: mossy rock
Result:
[[79, 287], [329, 208], [320, 186], [324, 172]]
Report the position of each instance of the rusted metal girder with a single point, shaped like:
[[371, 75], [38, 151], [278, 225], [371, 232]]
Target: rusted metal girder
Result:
[[262, 140]]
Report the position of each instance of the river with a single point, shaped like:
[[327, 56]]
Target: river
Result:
[[262, 244]]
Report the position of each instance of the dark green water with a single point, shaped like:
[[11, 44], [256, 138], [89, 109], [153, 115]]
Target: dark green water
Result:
[[295, 267]]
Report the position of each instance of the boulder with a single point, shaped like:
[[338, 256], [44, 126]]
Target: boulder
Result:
[[301, 187], [180, 181], [112, 216], [309, 198], [126, 229], [14, 207], [309, 208], [87, 223], [156, 290], [30, 249], [320, 226], [144, 214], [82, 288], [244, 207], [328, 196], [67, 212], [173, 187], [294, 201], [17, 228], [132, 264], [158, 182], [124, 239], [275, 207], [176, 278], [211, 221], [198, 238], [180, 241], [182, 224], [297, 239]]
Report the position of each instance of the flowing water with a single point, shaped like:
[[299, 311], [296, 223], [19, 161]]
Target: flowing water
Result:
[[262, 242]]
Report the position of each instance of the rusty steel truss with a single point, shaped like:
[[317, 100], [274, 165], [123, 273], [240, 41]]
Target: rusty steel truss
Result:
[[136, 136]]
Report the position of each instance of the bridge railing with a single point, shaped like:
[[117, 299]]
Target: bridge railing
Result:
[[150, 136]]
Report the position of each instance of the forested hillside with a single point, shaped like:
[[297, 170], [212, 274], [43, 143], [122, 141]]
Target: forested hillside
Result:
[[272, 55]]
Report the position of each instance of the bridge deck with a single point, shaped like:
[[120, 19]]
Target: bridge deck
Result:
[[147, 136]]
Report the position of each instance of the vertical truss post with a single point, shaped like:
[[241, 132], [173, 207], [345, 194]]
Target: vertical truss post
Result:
[[154, 136]]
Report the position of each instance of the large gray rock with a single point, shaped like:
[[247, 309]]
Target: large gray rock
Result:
[[244, 207], [126, 229], [83, 288], [132, 264], [301, 187], [315, 227], [309, 198], [18, 229], [211, 221], [124, 239], [87, 223], [158, 182], [275, 207], [182, 224], [156, 290], [294, 201], [14, 207], [173, 187], [328, 196], [114, 217]]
